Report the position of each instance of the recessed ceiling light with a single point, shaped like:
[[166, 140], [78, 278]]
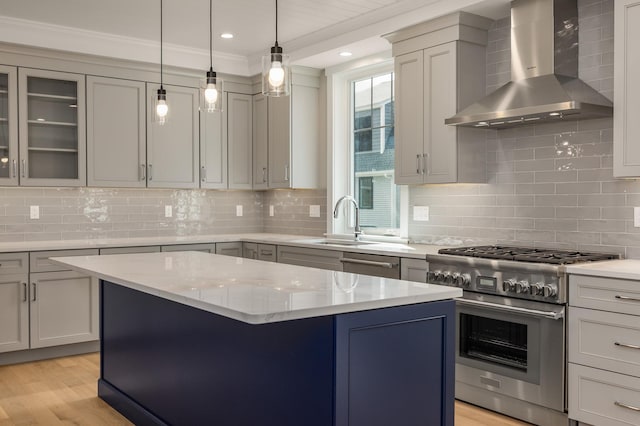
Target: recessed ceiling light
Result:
[[226, 35], [346, 54]]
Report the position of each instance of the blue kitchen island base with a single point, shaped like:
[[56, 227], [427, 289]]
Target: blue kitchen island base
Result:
[[163, 362]]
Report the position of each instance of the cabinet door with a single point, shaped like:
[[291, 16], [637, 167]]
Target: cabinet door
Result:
[[314, 258], [440, 148], [626, 126], [52, 128], [213, 149], [64, 308], [229, 249], [173, 147], [414, 270], [205, 248], [260, 141], [250, 250], [116, 133], [279, 142], [240, 134], [14, 313], [8, 126], [267, 252], [409, 118]]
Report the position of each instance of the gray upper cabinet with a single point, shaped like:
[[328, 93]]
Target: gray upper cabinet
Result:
[[52, 136], [8, 126], [116, 133], [213, 149], [626, 126], [173, 148], [240, 135], [260, 142], [294, 148], [438, 72]]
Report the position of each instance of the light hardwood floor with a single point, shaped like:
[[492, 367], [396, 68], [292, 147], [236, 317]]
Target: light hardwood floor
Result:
[[63, 392]]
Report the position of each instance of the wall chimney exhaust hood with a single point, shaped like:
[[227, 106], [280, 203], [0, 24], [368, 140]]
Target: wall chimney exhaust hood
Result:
[[544, 82]]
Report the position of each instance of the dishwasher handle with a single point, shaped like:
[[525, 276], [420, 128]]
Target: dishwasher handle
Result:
[[388, 265]]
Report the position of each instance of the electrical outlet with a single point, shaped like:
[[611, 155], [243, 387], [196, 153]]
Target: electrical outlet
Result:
[[168, 211], [636, 217], [239, 210], [34, 212], [271, 211], [421, 213], [314, 211]]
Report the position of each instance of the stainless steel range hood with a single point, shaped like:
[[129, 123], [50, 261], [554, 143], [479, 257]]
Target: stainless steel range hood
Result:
[[544, 82]]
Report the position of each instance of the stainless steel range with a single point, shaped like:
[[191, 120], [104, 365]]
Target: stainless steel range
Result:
[[510, 332]]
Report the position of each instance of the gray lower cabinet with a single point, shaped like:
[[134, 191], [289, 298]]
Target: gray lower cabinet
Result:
[[130, 250], [14, 312], [206, 248], [267, 252], [173, 148], [414, 269], [116, 133], [63, 308], [315, 258], [250, 250], [229, 249], [240, 140]]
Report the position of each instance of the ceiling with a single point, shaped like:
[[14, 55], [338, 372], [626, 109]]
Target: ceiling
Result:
[[312, 32]]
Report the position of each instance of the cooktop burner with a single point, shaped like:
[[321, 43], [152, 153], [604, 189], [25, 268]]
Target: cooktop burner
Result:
[[526, 254]]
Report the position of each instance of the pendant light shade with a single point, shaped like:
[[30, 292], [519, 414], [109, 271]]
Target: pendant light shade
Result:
[[162, 109], [211, 87], [275, 69]]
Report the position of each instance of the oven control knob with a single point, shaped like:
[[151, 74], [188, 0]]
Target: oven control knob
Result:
[[509, 285], [447, 278], [549, 290], [435, 276], [431, 276], [522, 287], [537, 289], [463, 280]]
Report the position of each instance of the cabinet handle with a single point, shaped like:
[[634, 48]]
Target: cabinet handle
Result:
[[626, 345], [143, 174], [388, 265], [24, 290], [33, 285], [24, 168], [630, 299], [418, 163], [629, 407], [150, 171], [203, 174], [425, 160], [15, 168], [286, 172], [264, 174]]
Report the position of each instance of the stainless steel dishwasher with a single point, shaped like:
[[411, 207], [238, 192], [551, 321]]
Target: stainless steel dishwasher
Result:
[[371, 264]]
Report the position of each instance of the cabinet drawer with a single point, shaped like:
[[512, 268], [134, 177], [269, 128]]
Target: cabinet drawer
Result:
[[14, 263], [314, 258], [206, 248], [267, 252], [604, 340], [606, 294], [129, 250], [599, 397], [39, 260]]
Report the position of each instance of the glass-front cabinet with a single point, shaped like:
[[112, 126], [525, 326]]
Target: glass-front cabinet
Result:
[[52, 128], [8, 126]]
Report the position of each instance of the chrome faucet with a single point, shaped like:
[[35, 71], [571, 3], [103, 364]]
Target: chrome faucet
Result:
[[357, 230]]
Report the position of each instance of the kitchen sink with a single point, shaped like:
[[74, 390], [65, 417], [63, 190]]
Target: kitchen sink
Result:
[[336, 242]]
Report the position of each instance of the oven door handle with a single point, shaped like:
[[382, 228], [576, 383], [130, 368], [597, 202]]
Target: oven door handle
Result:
[[504, 308]]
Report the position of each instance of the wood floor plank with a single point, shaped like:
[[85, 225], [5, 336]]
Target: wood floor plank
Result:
[[63, 391]]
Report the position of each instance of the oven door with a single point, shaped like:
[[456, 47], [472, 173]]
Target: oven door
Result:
[[512, 347]]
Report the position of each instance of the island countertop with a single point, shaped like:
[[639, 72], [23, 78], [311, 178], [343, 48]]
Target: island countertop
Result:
[[254, 291]]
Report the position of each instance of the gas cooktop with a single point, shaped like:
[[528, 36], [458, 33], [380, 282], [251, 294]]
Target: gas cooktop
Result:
[[527, 254]]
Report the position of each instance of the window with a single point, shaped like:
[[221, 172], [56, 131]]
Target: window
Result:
[[373, 149]]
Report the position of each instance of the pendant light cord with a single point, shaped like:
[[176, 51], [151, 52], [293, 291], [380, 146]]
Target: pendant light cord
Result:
[[276, 22], [211, 33], [161, 80]]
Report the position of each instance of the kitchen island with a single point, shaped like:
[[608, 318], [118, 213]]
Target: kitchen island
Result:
[[196, 338]]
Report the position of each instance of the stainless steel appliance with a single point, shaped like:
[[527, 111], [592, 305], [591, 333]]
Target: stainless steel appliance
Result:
[[510, 332]]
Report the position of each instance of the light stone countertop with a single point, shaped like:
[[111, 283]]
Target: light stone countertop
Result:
[[417, 251], [254, 291], [628, 269]]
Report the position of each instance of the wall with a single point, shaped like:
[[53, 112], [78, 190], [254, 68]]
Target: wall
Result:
[[89, 213], [291, 211], [548, 185]]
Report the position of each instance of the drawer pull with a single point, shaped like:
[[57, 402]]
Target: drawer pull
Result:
[[369, 263], [626, 345], [33, 285], [24, 289], [631, 299], [629, 407]]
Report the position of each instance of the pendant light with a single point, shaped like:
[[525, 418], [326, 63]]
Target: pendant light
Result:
[[162, 109], [212, 84], [275, 69]]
